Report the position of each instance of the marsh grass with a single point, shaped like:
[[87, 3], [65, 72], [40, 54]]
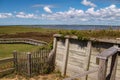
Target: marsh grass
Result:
[[6, 50]]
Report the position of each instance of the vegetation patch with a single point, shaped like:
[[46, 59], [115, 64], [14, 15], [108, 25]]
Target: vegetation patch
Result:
[[6, 50]]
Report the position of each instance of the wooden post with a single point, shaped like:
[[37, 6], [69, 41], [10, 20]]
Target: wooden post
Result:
[[29, 64], [15, 60], [113, 66], [102, 69], [88, 56], [65, 58], [54, 51], [55, 44]]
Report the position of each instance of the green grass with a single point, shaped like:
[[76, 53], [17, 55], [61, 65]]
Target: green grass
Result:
[[7, 49], [22, 29]]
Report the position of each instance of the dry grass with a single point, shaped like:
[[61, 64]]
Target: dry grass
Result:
[[52, 76]]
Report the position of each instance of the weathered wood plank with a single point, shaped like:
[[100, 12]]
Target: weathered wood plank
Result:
[[6, 71], [102, 69], [112, 74], [81, 75], [65, 58], [6, 60], [107, 53], [87, 58], [29, 63]]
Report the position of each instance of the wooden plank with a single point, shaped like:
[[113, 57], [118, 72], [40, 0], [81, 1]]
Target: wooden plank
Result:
[[6, 60], [29, 63], [92, 39], [107, 53], [112, 74], [6, 71], [65, 57], [87, 59], [102, 69], [15, 60], [82, 74]]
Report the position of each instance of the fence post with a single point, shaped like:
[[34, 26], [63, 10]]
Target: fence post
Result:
[[29, 64], [113, 67], [102, 69], [54, 50], [65, 58], [15, 60], [55, 44], [88, 56]]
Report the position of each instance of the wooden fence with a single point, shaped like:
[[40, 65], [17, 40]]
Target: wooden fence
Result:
[[6, 66], [34, 63], [22, 40], [103, 65], [74, 57], [28, 64]]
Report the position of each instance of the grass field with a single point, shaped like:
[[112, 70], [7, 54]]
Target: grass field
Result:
[[40, 33], [22, 29], [7, 49], [45, 35]]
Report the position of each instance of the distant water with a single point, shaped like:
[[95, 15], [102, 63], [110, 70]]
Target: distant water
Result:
[[73, 27], [78, 27]]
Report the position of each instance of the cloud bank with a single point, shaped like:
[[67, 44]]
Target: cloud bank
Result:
[[5, 15], [108, 14]]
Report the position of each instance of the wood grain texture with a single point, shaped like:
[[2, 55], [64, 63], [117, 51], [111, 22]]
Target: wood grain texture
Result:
[[77, 52]]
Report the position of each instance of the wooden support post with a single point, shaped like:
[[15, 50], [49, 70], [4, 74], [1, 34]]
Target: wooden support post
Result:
[[15, 60], [29, 64], [54, 51], [88, 56], [113, 66], [65, 58], [102, 69], [55, 44]]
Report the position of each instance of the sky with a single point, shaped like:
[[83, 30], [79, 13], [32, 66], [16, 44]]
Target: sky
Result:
[[69, 12]]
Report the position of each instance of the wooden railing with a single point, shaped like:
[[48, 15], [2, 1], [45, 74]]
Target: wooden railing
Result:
[[22, 40], [111, 52], [102, 69], [6, 66]]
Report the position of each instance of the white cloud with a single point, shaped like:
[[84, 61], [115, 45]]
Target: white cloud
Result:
[[88, 3], [47, 9], [110, 14], [107, 14], [5, 15], [24, 15]]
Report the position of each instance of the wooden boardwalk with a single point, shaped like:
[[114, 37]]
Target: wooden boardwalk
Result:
[[22, 40]]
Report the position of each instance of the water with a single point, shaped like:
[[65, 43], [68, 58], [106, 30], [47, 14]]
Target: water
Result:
[[73, 27], [78, 27]]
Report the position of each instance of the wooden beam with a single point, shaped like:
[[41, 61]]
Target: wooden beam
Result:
[[102, 69], [112, 74], [29, 64], [6, 60], [107, 53], [88, 56], [82, 74], [65, 58]]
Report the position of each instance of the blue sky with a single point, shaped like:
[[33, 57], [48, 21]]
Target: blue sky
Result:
[[39, 12]]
